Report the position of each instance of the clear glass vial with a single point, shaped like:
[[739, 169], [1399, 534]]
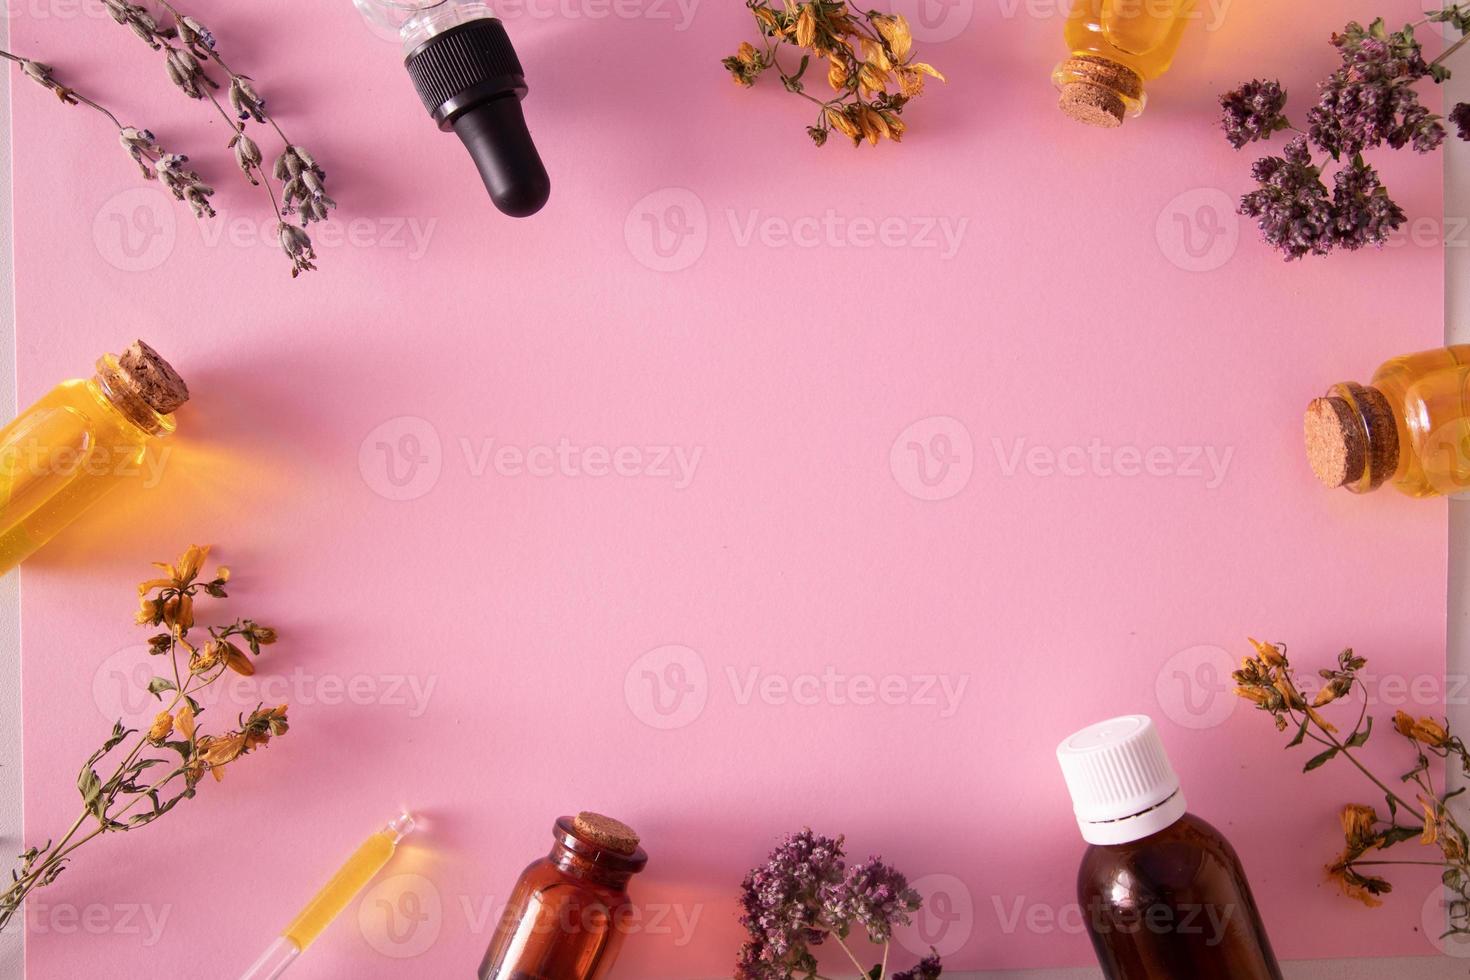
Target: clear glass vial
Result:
[[1409, 426], [1163, 894], [1115, 47], [83, 439], [567, 915]]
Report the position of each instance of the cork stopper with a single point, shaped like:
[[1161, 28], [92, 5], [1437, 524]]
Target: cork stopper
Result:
[[1348, 440], [605, 832], [1337, 446], [146, 374], [1097, 91]]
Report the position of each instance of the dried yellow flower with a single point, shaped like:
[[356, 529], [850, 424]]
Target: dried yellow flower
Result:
[[178, 611], [1271, 655], [895, 30], [1431, 822], [184, 722], [837, 74], [1357, 825], [1356, 886], [1425, 730], [871, 78], [235, 659], [190, 562], [806, 27], [162, 725], [868, 65]]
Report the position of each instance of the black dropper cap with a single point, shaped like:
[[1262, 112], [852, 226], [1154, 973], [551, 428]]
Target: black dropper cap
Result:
[[471, 81]]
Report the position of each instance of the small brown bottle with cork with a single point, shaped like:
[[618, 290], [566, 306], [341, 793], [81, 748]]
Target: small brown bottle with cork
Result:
[[1162, 892], [1409, 426], [566, 917]]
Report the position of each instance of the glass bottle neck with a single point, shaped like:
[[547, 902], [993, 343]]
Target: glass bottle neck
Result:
[[576, 865], [112, 389]]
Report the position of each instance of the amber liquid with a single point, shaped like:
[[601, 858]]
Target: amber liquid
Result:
[[1430, 396], [335, 895], [567, 916], [1173, 906], [1140, 34], [62, 455]]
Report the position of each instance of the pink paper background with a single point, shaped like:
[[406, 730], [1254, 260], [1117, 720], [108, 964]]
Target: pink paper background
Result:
[[1070, 312]]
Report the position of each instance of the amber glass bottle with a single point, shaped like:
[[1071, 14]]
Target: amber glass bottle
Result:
[[83, 439], [1163, 895], [1409, 426], [1116, 46], [568, 913]]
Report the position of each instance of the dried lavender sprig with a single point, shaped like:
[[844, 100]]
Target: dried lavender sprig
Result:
[[303, 181], [183, 63], [153, 161]]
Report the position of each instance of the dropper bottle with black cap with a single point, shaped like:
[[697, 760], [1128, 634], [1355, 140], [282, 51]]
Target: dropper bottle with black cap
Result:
[[469, 78]]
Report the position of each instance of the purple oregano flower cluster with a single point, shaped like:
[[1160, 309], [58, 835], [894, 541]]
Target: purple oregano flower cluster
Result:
[[805, 894], [1369, 101]]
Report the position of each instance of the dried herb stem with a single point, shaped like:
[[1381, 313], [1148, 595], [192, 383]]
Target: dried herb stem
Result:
[[111, 802], [152, 159]]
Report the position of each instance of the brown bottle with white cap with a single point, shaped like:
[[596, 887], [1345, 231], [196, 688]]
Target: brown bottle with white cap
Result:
[[1162, 892], [569, 912], [1409, 426]]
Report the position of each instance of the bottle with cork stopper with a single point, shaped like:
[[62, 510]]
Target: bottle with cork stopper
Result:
[[80, 441], [1163, 894], [568, 913], [1409, 426], [1116, 46]]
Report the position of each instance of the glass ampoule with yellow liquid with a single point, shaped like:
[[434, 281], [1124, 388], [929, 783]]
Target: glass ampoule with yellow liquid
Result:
[[1116, 46], [83, 439], [361, 867], [1409, 426]]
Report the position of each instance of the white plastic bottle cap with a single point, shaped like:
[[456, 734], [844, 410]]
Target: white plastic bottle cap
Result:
[[1122, 785]]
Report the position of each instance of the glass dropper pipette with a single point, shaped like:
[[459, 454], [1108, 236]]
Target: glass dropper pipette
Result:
[[327, 904]]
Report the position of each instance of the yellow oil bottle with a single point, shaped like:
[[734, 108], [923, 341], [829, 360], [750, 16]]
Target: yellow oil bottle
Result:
[[83, 439], [1409, 426], [1115, 47]]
